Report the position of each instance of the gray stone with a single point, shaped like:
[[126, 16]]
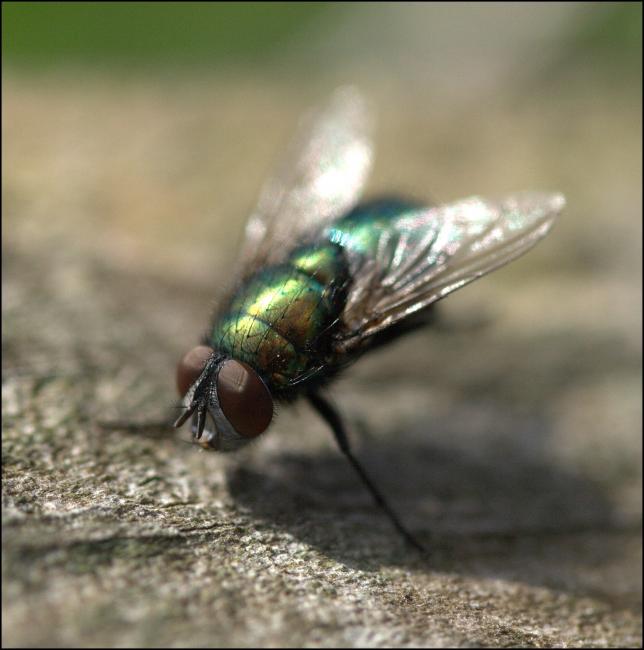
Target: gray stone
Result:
[[508, 437]]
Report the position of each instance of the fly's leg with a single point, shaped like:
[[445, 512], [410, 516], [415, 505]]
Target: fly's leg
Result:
[[331, 416], [154, 427], [161, 426]]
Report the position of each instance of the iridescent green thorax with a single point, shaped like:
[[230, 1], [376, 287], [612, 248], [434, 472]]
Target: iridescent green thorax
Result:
[[282, 319]]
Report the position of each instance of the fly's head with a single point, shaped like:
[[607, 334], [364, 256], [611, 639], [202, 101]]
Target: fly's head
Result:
[[229, 401]]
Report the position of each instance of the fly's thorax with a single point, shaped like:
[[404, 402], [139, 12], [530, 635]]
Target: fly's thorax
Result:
[[326, 264], [280, 320]]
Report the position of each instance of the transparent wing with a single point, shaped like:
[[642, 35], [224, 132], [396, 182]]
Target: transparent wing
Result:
[[426, 254], [321, 177]]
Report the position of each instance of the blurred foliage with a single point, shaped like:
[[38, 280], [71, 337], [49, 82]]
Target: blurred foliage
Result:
[[159, 33], [605, 39], [609, 36]]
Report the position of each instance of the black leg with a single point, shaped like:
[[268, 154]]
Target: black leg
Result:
[[162, 427], [332, 418]]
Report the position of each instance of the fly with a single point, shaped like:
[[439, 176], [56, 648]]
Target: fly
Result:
[[322, 279]]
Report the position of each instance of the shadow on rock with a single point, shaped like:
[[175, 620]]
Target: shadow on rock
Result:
[[467, 500]]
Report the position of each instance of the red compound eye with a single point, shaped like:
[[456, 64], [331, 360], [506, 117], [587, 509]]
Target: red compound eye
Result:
[[191, 366], [244, 398]]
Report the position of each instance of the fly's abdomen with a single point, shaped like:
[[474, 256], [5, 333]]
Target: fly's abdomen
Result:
[[360, 231], [280, 320]]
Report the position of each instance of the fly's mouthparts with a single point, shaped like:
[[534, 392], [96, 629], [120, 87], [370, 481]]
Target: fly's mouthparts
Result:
[[201, 422], [184, 416]]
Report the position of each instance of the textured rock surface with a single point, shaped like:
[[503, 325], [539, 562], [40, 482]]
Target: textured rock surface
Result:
[[512, 431]]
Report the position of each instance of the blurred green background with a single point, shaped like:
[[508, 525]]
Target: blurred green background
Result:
[[176, 34], [162, 33]]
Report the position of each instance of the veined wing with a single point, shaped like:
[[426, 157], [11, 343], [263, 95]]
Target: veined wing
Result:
[[321, 177], [426, 254]]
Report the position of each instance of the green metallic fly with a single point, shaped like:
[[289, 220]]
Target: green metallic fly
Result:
[[322, 279]]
